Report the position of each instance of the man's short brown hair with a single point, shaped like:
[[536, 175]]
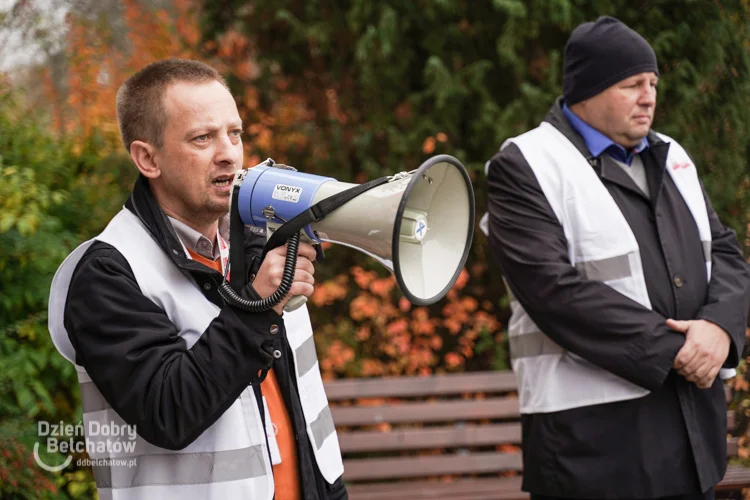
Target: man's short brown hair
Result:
[[140, 100]]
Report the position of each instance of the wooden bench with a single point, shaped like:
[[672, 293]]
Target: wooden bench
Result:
[[446, 436]]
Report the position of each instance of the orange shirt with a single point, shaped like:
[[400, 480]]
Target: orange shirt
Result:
[[285, 474]]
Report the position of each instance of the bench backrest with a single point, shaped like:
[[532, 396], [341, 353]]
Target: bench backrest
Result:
[[408, 427], [415, 427]]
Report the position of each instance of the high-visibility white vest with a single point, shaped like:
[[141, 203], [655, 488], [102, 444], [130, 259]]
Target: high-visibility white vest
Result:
[[602, 247], [231, 458]]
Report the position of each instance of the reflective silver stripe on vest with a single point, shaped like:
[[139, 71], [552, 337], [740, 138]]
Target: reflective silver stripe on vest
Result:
[[613, 268], [91, 399], [533, 344], [706, 250], [105, 493], [306, 357], [322, 427], [181, 468]]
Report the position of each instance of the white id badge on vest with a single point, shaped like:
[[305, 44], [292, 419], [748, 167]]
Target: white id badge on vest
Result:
[[273, 446]]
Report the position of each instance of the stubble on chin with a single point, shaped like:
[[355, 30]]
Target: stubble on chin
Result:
[[215, 210]]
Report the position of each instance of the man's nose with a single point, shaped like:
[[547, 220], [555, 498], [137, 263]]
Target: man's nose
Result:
[[227, 151], [648, 96]]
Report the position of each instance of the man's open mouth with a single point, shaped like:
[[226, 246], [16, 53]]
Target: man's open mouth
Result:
[[223, 180]]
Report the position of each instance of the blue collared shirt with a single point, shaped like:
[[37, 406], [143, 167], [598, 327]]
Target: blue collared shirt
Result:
[[599, 143]]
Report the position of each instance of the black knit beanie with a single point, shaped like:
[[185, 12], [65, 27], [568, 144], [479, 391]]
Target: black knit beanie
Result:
[[600, 54]]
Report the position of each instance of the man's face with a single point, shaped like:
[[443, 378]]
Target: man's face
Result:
[[624, 112], [202, 149]]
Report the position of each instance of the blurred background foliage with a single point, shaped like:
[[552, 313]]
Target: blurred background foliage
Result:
[[354, 89]]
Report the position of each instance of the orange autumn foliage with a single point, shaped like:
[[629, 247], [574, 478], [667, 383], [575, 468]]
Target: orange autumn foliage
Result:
[[100, 59], [330, 291], [390, 336], [364, 326]]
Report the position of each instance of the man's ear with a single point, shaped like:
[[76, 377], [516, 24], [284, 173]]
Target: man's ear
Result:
[[143, 155]]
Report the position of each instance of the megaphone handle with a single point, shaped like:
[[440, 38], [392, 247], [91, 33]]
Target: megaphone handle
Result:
[[298, 300], [295, 303]]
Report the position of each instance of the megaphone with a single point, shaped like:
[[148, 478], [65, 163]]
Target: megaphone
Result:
[[417, 224]]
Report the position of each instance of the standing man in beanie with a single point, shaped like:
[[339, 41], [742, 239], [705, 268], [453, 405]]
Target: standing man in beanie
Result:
[[628, 294]]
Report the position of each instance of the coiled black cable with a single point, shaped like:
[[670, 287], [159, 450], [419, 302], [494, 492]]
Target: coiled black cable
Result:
[[231, 297]]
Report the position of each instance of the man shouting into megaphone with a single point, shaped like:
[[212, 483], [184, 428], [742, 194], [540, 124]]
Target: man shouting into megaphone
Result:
[[213, 391]]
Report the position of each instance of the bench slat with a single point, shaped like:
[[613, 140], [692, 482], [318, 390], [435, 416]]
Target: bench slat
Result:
[[457, 383], [496, 488], [399, 387], [434, 437], [446, 437], [501, 488], [736, 477], [438, 411], [403, 467], [732, 447]]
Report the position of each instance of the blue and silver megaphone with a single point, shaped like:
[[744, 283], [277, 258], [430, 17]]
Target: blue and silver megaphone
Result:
[[418, 224]]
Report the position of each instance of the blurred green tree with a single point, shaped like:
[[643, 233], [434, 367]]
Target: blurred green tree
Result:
[[379, 86], [353, 89], [53, 195], [356, 89]]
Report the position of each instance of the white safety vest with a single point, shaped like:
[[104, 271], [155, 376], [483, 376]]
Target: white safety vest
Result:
[[602, 247], [231, 458]]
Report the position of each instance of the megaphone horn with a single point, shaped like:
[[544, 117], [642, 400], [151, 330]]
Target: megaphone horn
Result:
[[417, 224]]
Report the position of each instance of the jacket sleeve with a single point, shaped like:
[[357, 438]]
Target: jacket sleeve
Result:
[[143, 368], [728, 298], [585, 317]]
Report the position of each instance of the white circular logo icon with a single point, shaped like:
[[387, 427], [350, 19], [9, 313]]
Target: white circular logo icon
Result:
[[420, 228], [51, 468]]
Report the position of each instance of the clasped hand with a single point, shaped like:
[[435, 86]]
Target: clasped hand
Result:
[[271, 270], [704, 352]]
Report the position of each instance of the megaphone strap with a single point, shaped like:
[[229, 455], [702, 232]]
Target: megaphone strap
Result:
[[317, 212], [237, 248]]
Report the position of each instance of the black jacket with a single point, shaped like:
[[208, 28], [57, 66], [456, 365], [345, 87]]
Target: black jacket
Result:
[[672, 441], [143, 368]]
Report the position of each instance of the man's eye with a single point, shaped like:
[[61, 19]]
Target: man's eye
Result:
[[202, 137], [237, 132]]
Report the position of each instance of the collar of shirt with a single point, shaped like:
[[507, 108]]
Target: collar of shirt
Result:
[[194, 240], [598, 143]]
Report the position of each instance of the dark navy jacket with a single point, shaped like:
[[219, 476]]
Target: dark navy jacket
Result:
[[672, 441]]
